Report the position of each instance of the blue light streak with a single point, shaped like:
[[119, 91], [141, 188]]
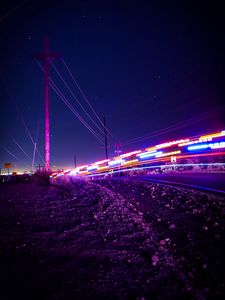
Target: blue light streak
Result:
[[115, 162], [216, 145], [149, 154], [198, 147]]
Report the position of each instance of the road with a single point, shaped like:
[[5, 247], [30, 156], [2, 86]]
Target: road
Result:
[[212, 182]]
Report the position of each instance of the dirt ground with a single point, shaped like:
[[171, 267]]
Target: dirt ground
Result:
[[110, 240]]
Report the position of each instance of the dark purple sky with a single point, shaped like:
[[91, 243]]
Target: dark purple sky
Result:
[[145, 65]]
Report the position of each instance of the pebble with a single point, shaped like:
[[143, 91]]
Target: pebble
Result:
[[155, 260], [217, 236], [172, 226]]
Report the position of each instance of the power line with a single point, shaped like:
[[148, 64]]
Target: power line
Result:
[[12, 10], [9, 152], [176, 126], [69, 105], [21, 116], [85, 98], [20, 147], [73, 95]]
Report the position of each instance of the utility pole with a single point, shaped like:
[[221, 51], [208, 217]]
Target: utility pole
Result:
[[46, 57], [75, 161], [118, 151], [118, 147], [106, 140]]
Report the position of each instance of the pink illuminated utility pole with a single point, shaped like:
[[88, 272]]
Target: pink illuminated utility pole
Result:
[[46, 57]]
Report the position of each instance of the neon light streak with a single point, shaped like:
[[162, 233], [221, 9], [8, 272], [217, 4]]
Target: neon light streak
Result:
[[205, 140], [147, 155], [129, 162], [101, 162], [115, 162], [205, 146], [193, 142], [162, 167], [81, 167], [92, 168], [197, 147], [151, 149], [189, 143], [217, 145], [103, 168], [74, 172], [130, 153], [84, 172], [213, 135], [169, 144], [168, 154]]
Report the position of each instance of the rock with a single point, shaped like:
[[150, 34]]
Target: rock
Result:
[[172, 226], [155, 260]]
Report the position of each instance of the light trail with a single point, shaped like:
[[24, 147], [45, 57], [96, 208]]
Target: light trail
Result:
[[158, 167], [171, 156]]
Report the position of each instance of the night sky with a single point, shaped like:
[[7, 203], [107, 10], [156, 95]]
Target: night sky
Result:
[[144, 65]]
